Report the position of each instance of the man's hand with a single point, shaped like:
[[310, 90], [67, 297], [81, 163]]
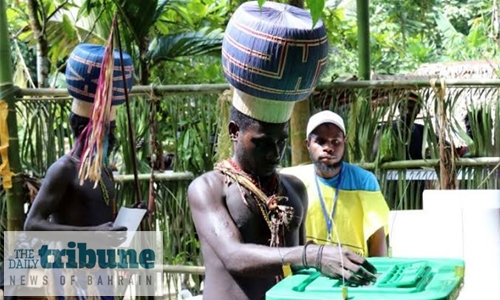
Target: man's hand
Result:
[[341, 263], [109, 226], [115, 238]]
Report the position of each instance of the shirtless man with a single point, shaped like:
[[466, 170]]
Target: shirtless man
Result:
[[63, 205], [71, 206], [234, 236], [250, 219]]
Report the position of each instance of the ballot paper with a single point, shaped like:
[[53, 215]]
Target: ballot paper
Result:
[[130, 218]]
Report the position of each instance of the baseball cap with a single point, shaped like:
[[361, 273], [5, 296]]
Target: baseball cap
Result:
[[323, 117]]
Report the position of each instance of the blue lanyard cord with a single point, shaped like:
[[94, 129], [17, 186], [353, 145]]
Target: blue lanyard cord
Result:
[[328, 219]]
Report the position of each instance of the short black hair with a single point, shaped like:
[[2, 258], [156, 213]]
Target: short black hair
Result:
[[77, 123], [243, 121]]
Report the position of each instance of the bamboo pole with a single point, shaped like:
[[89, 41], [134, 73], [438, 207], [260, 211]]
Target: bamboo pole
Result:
[[298, 121], [142, 90], [173, 176], [363, 21], [199, 270], [404, 164], [14, 195], [416, 83]]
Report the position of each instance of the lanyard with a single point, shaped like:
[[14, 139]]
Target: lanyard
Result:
[[328, 219]]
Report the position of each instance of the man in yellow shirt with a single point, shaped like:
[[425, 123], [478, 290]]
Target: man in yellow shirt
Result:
[[346, 205]]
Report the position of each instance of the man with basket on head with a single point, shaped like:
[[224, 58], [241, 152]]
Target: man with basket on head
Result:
[[78, 192], [248, 217]]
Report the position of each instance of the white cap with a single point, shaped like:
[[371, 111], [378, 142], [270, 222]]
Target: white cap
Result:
[[323, 117]]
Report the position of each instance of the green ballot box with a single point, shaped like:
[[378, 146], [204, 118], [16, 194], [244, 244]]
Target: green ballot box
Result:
[[397, 278]]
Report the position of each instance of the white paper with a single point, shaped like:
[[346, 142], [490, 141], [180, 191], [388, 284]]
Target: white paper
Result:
[[130, 218]]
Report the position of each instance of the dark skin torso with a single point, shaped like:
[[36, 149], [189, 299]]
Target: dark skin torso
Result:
[[86, 202], [69, 205], [246, 224]]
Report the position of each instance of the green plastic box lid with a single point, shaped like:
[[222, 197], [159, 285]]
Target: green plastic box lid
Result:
[[397, 278]]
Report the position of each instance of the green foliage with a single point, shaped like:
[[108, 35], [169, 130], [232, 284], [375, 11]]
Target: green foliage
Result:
[[174, 46], [406, 34], [316, 7]]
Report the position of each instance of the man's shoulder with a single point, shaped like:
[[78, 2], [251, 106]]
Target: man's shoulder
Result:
[[210, 178], [356, 169], [64, 166], [295, 182], [209, 182], [361, 179]]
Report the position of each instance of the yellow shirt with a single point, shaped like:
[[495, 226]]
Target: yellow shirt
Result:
[[360, 210]]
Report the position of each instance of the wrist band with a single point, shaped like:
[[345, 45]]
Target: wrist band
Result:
[[319, 257], [304, 254]]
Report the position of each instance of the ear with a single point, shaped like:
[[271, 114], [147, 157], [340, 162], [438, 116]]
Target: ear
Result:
[[345, 139], [80, 129], [307, 143], [234, 130]]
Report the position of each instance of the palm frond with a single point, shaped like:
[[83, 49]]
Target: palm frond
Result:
[[169, 47]]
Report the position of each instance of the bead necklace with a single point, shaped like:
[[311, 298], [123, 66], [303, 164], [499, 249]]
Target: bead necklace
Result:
[[273, 184], [105, 193], [272, 203]]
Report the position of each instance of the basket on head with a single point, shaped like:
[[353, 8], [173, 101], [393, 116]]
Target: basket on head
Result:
[[82, 74], [272, 56]]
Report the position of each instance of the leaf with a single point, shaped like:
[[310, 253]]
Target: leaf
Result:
[[261, 2], [172, 46], [316, 7], [68, 27], [139, 15], [184, 14], [159, 8]]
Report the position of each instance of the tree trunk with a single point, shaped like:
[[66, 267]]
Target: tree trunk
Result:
[[14, 194], [298, 126], [298, 122], [447, 168], [42, 61], [144, 64]]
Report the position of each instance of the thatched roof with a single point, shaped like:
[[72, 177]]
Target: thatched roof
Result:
[[465, 97], [469, 69]]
